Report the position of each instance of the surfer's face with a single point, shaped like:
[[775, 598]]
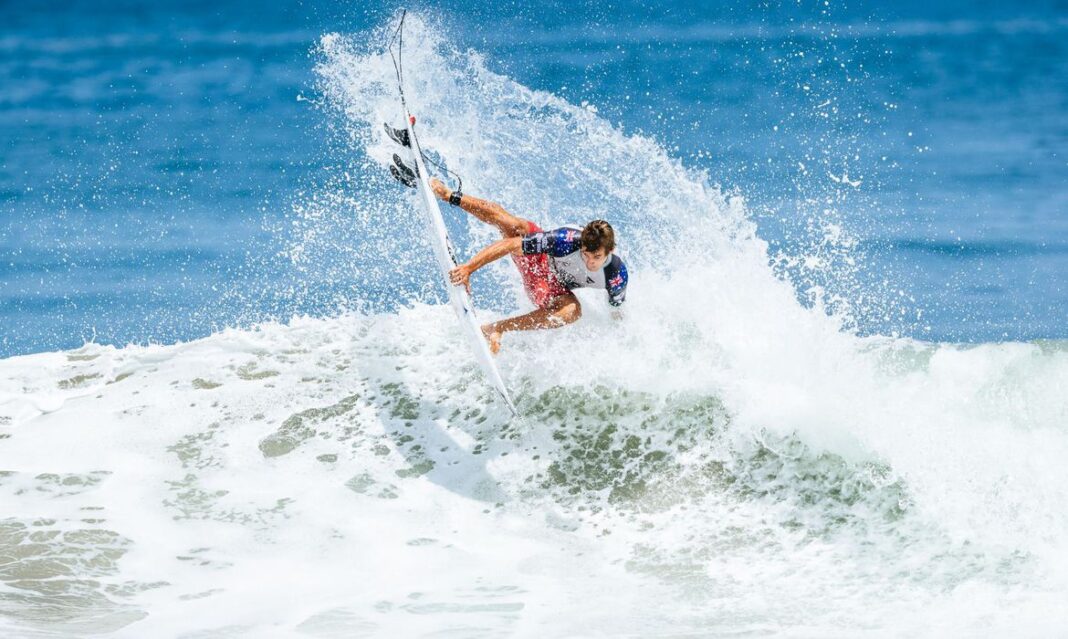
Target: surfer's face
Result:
[[594, 259]]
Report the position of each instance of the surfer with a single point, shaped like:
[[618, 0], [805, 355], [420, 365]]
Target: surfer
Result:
[[551, 263]]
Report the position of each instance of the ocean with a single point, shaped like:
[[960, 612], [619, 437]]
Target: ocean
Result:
[[234, 403]]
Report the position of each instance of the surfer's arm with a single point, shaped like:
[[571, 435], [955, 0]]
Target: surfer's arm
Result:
[[492, 253], [615, 275], [559, 242]]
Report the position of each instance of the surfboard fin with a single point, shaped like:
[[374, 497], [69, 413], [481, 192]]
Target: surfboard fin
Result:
[[400, 136], [401, 172], [401, 178]]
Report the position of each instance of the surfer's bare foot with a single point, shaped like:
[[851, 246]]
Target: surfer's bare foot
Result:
[[493, 337], [440, 190]]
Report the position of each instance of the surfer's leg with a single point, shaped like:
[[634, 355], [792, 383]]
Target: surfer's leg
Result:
[[486, 211], [561, 311], [492, 213]]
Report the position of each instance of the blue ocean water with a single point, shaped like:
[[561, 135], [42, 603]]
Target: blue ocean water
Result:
[[150, 155]]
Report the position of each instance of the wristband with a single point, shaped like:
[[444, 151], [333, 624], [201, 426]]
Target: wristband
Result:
[[454, 199]]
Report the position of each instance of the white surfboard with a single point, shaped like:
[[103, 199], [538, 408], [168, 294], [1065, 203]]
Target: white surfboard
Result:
[[446, 256]]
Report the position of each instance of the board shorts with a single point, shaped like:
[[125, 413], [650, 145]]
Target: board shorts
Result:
[[541, 285]]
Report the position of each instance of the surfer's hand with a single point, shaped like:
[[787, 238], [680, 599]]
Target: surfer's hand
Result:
[[461, 275], [440, 190]]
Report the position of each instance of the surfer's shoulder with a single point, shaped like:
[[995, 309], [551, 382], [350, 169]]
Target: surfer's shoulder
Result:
[[556, 242]]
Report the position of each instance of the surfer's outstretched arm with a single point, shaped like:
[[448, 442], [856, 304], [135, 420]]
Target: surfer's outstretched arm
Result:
[[462, 273], [489, 212]]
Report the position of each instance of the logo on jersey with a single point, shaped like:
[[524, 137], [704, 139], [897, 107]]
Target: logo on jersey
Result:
[[537, 243], [570, 236], [616, 281]]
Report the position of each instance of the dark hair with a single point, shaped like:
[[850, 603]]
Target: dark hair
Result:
[[598, 234]]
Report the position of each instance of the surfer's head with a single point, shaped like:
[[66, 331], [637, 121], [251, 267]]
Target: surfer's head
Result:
[[598, 240]]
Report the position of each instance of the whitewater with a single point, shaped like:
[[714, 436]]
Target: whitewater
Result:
[[735, 460]]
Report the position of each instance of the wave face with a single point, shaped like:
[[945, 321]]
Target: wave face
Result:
[[725, 461]]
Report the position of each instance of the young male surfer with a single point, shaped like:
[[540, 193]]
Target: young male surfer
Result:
[[551, 263]]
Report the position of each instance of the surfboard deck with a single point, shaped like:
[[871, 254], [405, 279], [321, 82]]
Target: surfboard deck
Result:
[[459, 298]]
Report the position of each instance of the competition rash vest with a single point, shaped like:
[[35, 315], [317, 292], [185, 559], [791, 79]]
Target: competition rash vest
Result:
[[565, 260]]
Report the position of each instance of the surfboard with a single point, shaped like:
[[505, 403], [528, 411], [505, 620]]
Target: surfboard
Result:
[[459, 298]]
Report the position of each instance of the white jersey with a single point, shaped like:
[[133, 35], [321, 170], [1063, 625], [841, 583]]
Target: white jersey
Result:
[[565, 261]]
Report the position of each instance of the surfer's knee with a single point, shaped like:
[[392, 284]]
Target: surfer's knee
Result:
[[568, 309], [575, 311], [510, 225]]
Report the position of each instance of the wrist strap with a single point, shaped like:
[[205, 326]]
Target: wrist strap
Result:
[[454, 199]]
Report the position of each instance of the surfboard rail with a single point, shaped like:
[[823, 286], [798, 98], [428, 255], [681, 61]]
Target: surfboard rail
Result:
[[459, 298]]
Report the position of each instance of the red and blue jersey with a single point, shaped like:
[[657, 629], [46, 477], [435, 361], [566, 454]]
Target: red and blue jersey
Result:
[[567, 266]]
